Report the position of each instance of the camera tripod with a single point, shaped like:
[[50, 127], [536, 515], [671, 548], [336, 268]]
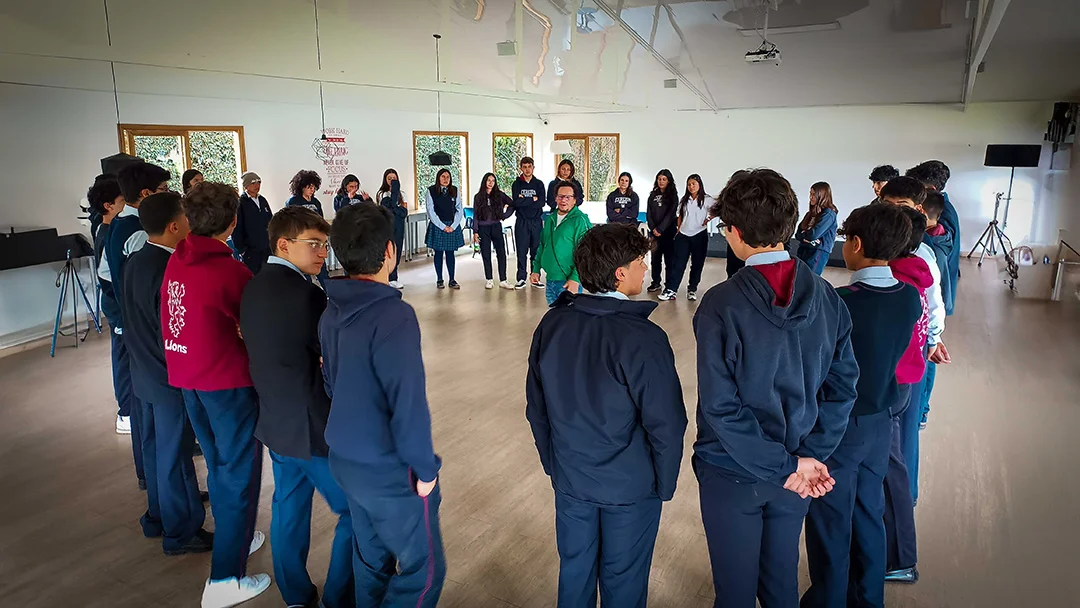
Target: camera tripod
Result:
[[993, 238], [69, 276]]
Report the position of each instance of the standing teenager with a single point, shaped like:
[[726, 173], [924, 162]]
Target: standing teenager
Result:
[[490, 207], [252, 216], [879, 177], [623, 204], [663, 203], [528, 196], [303, 186], [190, 179], [349, 193], [817, 231], [446, 216], [391, 197], [692, 240], [565, 174]]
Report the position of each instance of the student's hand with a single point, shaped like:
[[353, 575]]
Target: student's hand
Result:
[[423, 488], [448, 230], [939, 354], [817, 475], [534, 199], [534, 277], [571, 286], [476, 238], [656, 233], [797, 484]]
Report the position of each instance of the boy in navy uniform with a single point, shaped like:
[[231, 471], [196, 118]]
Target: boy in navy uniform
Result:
[[279, 317], [379, 430], [607, 413], [174, 505], [845, 531], [528, 201], [934, 175], [770, 411]]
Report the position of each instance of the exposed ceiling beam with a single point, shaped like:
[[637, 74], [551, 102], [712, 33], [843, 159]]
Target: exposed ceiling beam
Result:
[[986, 25]]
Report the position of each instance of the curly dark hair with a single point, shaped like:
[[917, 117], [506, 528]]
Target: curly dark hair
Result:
[[884, 173], [604, 249], [211, 208], [932, 173], [883, 230], [105, 191], [907, 188], [761, 204], [303, 179]]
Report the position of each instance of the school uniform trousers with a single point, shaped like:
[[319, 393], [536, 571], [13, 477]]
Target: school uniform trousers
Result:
[[125, 398], [900, 539], [845, 531], [224, 423], [609, 544], [734, 264], [399, 238], [814, 257], [491, 236], [752, 530], [398, 558], [663, 256], [688, 250], [527, 241], [174, 506]]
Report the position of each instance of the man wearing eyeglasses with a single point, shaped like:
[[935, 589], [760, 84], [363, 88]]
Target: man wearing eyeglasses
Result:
[[279, 318]]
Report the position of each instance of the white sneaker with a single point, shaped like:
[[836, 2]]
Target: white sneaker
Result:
[[397, 285], [520, 285], [668, 295], [257, 541], [506, 285], [123, 425], [232, 591], [489, 285]]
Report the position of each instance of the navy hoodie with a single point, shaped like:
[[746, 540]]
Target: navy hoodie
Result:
[[374, 376], [944, 246], [523, 191], [604, 401], [776, 372], [110, 305]]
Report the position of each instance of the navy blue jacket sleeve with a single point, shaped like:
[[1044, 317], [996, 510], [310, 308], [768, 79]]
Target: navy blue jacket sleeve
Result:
[[551, 194], [825, 224], [400, 369], [655, 388], [612, 210], [836, 396], [536, 407], [239, 235], [723, 410]]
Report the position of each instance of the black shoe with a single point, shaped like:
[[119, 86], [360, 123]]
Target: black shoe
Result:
[[907, 576], [202, 542], [198, 450], [440, 285], [455, 285], [655, 287], [204, 496], [142, 485]]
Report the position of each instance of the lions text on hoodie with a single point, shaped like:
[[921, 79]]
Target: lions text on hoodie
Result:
[[200, 316]]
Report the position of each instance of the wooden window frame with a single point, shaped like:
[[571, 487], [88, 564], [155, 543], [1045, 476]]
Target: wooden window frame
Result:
[[583, 171], [126, 134], [462, 188]]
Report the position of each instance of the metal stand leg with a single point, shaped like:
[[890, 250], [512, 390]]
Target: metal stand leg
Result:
[[69, 276]]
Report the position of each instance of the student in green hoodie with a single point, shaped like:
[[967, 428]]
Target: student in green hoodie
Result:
[[562, 232]]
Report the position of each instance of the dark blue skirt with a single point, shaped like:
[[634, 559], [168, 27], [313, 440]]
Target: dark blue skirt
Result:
[[444, 241]]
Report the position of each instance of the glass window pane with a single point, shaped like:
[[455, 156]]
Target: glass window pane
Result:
[[215, 153], [166, 151], [456, 147], [603, 166], [508, 153]]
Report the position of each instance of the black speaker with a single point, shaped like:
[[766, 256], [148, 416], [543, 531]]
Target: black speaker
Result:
[[1012, 155]]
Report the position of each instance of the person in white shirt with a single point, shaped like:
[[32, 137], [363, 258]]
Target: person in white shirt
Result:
[[692, 240]]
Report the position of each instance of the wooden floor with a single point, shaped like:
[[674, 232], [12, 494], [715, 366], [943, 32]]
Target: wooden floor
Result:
[[998, 519]]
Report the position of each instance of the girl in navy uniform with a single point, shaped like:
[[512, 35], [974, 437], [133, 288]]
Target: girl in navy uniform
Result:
[[663, 201], [350, 192], [390, 196], [623, 203], [445, 218]]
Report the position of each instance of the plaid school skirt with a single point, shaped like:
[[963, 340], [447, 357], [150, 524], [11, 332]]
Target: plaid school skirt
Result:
[[444, 241]]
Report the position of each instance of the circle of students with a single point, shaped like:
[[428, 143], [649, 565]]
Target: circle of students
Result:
[[822, 426]]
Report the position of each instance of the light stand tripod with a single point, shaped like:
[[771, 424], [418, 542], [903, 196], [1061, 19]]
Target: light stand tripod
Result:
[[69, 275], [993, 237]]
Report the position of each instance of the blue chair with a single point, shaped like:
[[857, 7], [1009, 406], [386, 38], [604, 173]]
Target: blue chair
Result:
[[643, 217]]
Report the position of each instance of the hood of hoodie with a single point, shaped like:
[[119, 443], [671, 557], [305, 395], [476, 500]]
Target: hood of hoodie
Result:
[[941, 240], [805, 298], [913, 271], [348, 298], [196, 249], [604, 305]]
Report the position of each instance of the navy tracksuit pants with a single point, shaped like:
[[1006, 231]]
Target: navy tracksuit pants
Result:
[[900, 539], [224, 421], [295, 483], [527, 241], [607, 544], [845, 532], [174, 509], [734, 264], [753, 530], [397, 558], [125, 397]]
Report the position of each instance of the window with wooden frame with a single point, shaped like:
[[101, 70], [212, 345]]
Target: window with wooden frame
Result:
[[507, 149], [454, 143], [596, 161], [217, 152]]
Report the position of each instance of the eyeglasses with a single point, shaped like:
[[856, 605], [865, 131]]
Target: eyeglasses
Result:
[[564, 197], [162, 188], [315, 244]]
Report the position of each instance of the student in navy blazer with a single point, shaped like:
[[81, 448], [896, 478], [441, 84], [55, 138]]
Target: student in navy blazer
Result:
[[252, 217], [606, 410]]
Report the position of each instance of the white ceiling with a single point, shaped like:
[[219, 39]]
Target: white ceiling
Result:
[[573, 56]]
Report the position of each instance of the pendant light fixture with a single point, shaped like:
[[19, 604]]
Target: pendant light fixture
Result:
[[440, 158]]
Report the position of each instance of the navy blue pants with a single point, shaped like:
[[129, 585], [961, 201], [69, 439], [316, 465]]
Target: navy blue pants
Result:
[[609, 545], [689, 250], [398, 558], [527, 241], [815, 258], [734, 264], [174, 509], [295, 482], [491, 236], [900, 540], [399, 243], [753, 531], [663, 256], [224, 421], [845, 532], [125, 397]]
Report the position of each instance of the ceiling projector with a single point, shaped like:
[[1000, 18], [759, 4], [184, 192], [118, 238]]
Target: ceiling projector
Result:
[[764, 54]]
